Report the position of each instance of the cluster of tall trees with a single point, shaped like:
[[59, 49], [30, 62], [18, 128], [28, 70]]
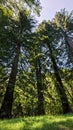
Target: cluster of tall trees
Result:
[[36, 65]]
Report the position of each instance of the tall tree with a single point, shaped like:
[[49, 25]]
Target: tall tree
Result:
[[40, 87], [64, 23], [47, 32], [19, 27], [36, 62]]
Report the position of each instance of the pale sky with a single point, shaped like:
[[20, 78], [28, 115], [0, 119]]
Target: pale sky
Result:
[[50, 7]]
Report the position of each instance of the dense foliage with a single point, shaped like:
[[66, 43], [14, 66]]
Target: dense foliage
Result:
[[36, 65]]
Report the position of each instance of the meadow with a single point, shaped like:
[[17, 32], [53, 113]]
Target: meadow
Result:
[[60, 122]]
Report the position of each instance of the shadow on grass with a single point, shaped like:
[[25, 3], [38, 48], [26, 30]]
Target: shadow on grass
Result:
[[62, 125], [44, 125]]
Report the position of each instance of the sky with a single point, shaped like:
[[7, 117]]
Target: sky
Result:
[[50, 7]]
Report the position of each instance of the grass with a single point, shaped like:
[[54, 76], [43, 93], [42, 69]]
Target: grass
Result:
[[64, 122]]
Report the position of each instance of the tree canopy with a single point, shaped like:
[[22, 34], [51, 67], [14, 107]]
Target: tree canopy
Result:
[[36, 64]]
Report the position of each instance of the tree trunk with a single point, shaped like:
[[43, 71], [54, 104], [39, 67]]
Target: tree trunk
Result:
[[41, 110], [59, 85], [6, 108], [67, 39]]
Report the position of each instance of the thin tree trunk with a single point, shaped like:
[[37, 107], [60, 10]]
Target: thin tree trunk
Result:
[[6, 108], [41, 110], [59, 85]]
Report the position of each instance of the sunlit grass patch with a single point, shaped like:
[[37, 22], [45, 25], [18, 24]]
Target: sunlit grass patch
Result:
[[12, 124]]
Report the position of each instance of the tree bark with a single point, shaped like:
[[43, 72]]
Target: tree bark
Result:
[[41, 110], [59, 85], [6, 108]]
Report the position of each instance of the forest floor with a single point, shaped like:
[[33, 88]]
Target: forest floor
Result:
[[62, 122]]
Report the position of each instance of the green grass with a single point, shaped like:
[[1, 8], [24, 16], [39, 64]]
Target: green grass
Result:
[[64, 122]]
